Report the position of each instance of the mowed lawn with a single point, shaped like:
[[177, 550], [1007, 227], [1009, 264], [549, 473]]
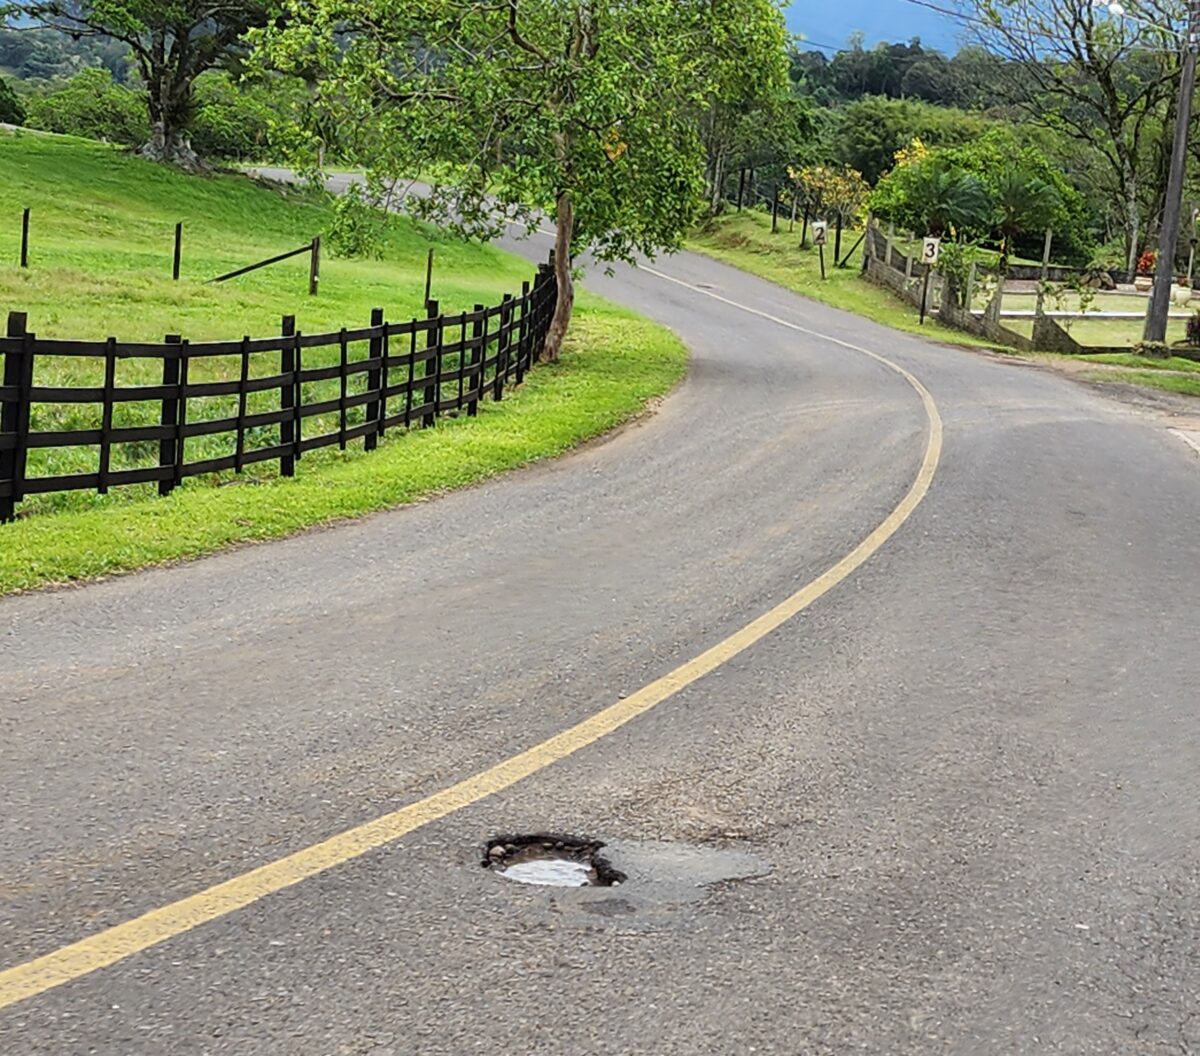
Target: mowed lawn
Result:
[[102, 238]]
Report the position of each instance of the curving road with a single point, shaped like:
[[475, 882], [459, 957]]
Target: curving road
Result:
[[966, 773]]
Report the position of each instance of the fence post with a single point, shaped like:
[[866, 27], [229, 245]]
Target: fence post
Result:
[[25, 239], [969, 294], [433, 340], [523, 334], [314, 267], [891, 237], [775, 211], [170, 413], [178, 252], [375, 382], [1044, 274], [106, 414], [14, 416], [287, 397], [503, 347], [478, 355], [429, 276]]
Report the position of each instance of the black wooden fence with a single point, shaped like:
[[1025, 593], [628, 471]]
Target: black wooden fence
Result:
[[355, 384]]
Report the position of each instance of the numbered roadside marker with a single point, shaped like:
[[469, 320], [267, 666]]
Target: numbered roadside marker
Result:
[[820, 233], [931, 249]]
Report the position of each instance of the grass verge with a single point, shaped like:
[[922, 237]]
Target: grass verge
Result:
[[745, 241], [614, 364], [1181, 384]]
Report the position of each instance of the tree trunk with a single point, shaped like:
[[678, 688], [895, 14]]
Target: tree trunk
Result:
[[171, 146], [1132, 223], [718, 181], [562, 270]]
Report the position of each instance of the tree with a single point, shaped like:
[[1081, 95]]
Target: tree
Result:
[[932, 196], [588, 110], [12, 112], [759, 134], [868, 133], [172, 42], [1101, 80], [92, 106]]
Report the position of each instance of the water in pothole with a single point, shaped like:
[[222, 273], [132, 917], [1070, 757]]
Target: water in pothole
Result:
[[549, 872], [550, 861]]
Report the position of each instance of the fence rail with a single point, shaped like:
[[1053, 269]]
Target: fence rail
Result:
[[260, 399]]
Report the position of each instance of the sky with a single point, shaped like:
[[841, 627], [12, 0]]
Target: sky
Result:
[[832, 21]]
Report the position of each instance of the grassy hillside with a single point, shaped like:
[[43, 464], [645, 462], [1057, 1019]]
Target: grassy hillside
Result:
[[103, 228]]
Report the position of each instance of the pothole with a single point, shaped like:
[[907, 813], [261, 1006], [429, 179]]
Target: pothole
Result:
[[551, 860]]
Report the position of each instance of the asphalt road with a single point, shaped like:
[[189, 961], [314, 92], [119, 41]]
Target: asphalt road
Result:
[[968, 773]]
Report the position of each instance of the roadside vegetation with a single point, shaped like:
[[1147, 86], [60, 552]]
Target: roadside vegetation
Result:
[[101, 265], [745, 241]]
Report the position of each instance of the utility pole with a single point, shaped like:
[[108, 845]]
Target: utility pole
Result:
[[1160, 299]]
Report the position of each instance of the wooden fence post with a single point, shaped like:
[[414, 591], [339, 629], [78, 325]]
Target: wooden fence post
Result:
[[775, 211], [523, 334], [375, 382], [429, 276], [478, 355], [433, 341], [289, 387], [167, 455], [502, 350], [891, 237], [1044, 274], [314, 267], [178, 252], [25, 239], [14, 414], [106, 414]]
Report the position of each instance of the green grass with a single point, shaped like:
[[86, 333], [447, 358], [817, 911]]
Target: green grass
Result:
[[745, 241], [1184, 385], [1140, 363], [103, 228]]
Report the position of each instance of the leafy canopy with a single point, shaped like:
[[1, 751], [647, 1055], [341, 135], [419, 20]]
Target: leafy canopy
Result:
[[514, 107]]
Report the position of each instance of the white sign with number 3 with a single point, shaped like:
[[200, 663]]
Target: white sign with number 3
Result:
[[931, 249]]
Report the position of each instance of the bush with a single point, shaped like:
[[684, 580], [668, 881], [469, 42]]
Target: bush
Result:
[[231, 121], [358, 225], [12, 112], [1148, 262], [92, 106], [1193, 330], [1152, 350]]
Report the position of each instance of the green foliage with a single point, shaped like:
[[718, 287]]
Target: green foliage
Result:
[[231, 120], [593, 107], [92, 106], [358, 224], [172, 42], [12, 110], [44, 54], [933, 196], [868, 133]]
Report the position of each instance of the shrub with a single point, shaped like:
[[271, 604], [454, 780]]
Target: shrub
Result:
[[1193, 330], [92, 106], [358, 224], [12, 112], [1147, 262], [230, 121], [1152, 350]]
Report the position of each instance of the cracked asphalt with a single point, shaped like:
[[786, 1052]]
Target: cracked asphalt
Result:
[[970, 769]]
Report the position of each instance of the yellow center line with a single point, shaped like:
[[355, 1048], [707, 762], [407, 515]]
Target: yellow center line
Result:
[[157, 926]]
